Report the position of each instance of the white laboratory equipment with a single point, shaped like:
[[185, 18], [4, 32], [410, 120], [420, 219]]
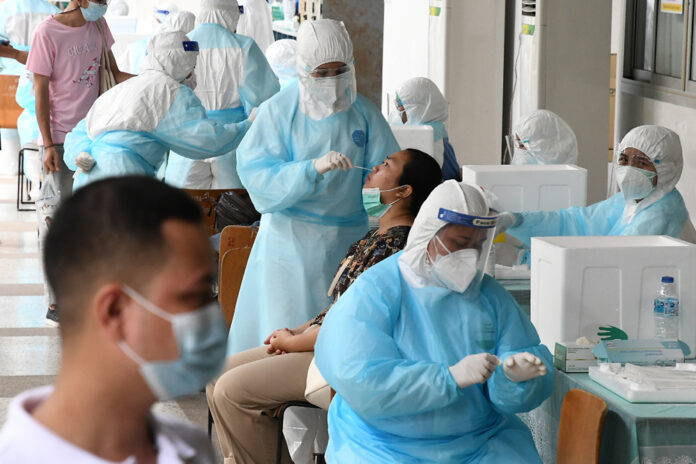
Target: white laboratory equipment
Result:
[[459, 45], [581, 283], [518, 188], [562, 58], [419, 137]]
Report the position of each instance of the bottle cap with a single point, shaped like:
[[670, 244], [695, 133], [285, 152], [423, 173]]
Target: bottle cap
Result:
[[667, 280]]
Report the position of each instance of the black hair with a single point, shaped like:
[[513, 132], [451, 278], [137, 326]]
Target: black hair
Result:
[[109, 229], [423, 174]]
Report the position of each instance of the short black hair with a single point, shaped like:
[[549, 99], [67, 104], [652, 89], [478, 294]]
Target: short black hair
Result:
[[111, 228], [423, 174]]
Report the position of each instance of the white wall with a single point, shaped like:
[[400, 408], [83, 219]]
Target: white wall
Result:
[[632, 111]]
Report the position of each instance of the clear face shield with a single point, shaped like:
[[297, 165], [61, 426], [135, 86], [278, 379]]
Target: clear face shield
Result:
[[459, 250], [327, 90]]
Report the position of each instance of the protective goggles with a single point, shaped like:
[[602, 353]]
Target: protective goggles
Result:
[[399, 103], [190, 46], [321, 73], [636, 160], [481, 222]]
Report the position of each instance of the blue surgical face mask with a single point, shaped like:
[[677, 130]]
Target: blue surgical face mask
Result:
[[201, 336], [373, 203], [94, 11]]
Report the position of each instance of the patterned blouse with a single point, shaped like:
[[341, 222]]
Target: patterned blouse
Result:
[[366, 252]]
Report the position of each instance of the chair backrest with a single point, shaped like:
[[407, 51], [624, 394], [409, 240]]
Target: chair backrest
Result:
[[207, 199], [580, 430], [235, 248]]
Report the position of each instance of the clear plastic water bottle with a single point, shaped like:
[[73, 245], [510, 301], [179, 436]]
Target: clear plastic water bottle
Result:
[[666, 310]]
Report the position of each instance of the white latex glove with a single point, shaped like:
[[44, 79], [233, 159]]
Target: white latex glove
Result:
[[84, 162], [252, 115], [475, 368], [523, 366], [331, 161], [507, 220]]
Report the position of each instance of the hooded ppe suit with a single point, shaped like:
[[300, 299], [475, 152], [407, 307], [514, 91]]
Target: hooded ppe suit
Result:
[[387, 344], [662, 212], [281, 56], [233, 77], [424, 104], [257, 23], [18, 20], [308, 219], [129, 129], [547, 139]]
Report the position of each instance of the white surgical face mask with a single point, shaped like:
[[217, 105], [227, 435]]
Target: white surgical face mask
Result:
[[326, 96], [190, 82], [635, 183], [201, 336], [456, 270]]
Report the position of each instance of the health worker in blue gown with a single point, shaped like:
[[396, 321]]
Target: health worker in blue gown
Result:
[[300, 163]]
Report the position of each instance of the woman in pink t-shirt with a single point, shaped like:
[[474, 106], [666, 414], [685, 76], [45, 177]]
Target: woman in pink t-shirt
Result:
[[65, 58]]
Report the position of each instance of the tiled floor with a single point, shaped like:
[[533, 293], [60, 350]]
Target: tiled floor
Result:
[[30, 351]]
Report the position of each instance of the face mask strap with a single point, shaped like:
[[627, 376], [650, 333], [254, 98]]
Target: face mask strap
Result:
[[128, 351], [146, 304]]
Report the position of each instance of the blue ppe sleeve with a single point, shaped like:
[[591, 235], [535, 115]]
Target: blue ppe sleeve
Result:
[[597, 219], [274, 180], [358, 356], [516, 334], [76, 141], [259, 82], [186, 129]]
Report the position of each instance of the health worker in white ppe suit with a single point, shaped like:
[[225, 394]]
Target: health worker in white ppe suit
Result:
[[257, 22], [419, 102], [232, 79], [281, 56], [129, 129], [18, 20], [297, 164], [168, 18], [647, 167], [543, 137], [429, 357]]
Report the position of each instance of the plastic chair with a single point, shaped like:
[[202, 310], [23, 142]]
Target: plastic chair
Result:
[[23, 183], [580, 430]]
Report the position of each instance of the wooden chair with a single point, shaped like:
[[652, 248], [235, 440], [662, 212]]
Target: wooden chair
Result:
[[235, 248], [580, 430]]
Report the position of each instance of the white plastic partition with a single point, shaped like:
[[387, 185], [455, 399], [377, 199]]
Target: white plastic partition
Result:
[[531, 187], [581, 283]]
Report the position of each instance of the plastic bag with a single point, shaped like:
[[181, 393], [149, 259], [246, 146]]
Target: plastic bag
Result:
[[232, 209], [306, 432], [47, 203]]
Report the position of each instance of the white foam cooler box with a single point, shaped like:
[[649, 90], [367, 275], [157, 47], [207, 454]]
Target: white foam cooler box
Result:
[[581, 283], [419, 137], [531, 187]]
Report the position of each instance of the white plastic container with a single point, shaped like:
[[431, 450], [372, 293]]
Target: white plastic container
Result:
[[531, 187], [581, 283], [419, 137]]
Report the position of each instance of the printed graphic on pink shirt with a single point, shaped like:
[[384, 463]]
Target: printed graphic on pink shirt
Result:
[[89, 76]]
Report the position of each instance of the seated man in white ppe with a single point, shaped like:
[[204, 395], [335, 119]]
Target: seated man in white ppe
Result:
[[543, 137], [232, 79], [129, 129], [304, 162], [647, 166], [430, 358]]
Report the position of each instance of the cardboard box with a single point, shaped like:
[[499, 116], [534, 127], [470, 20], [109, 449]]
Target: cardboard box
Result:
[[571, 357]]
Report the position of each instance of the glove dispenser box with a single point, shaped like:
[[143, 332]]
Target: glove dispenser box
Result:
[[419, 137], [581, 283], [531, 187]]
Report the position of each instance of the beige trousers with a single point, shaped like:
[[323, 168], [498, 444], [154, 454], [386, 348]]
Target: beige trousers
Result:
[[243, 399]]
